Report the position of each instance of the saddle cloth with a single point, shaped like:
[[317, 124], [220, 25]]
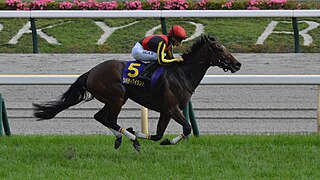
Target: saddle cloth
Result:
[[132, 70]]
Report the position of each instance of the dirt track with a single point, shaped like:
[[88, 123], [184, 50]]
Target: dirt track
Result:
[[218, 109]]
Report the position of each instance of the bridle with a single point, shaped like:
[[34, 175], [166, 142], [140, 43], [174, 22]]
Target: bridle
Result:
[[220, 63]]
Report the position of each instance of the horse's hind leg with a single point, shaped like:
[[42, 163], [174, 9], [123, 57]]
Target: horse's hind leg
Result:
[[102, 117], [108, 117]]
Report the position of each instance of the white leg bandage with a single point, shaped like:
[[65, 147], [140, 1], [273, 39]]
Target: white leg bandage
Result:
[[177, 139], [127, 134], [116, 133], [142, 135]]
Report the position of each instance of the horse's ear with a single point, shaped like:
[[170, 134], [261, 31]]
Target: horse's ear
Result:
[[213, 39], [207, 38]]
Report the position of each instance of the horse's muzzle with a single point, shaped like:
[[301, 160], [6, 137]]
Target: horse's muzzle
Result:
[[234, 67]]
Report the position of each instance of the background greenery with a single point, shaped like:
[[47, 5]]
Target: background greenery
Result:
[[80, 35], [207, 157]]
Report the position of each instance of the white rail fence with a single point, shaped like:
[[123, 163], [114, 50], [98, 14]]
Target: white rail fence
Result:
[[207, 80], [156, 13], [162, 14]]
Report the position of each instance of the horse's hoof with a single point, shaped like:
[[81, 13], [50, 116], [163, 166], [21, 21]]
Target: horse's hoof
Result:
[[136, 145], [165, 142], [130, 129], [117, 142]]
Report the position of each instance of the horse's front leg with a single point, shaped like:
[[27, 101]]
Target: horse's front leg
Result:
[[161, 127], [177, 115]]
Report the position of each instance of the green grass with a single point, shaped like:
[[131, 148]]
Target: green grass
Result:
[[207, 157], [80, 35]]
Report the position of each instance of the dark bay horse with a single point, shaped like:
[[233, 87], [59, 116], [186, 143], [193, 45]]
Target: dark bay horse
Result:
[[168, 96]]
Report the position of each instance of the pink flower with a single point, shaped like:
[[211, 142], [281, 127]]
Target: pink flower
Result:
[[252, 4], [201, 4], [133, 5], [38, 4], [227, 5], [175, 5], [276, 4], [23, 6], [299, 6], [155, 4], [253, 8], [65, 5], [16, 4], [13, 2], [90, 4], [113, 5]]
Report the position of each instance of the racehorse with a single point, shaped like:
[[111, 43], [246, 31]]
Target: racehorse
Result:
[[168, 96]]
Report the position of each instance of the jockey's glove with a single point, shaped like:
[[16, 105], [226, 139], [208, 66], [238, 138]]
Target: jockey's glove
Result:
[[179, 59]]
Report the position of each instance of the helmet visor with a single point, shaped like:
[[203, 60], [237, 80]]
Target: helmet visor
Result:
[[180, 39]]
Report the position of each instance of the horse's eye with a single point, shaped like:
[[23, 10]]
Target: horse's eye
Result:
[[219, 47]]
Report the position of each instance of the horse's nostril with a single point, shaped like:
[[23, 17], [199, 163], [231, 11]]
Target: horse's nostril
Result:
[[238, 65]]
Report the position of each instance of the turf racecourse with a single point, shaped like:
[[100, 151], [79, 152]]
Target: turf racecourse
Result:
[[208, 157]]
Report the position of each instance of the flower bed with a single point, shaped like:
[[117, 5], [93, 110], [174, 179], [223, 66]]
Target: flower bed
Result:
[[157, 5]]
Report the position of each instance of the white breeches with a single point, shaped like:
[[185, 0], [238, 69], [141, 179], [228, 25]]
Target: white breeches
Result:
[[140, 54]]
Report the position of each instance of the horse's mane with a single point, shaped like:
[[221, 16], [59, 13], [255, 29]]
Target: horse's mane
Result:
[[196, 46]]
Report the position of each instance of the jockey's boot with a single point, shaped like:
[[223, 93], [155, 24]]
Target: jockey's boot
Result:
[[145, 75]]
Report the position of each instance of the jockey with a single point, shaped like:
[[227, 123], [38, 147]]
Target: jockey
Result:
[[157, 50]]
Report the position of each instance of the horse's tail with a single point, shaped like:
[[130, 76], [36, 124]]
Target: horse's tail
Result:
[[75, 94]]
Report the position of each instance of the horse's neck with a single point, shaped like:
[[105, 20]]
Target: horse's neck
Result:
[[193, 73]]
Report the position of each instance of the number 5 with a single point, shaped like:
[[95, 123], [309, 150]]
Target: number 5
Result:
[[133, 68]]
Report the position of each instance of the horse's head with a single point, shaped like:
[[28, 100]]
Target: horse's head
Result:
[[219, 56]]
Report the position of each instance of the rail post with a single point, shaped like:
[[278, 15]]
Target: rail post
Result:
[[193, 121], [1, 131], [189, 115], [144, 120], [34, 35], [163, 25], [296, 35], [4, 118], [318, 111]]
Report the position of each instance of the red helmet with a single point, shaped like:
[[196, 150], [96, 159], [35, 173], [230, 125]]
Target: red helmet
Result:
[[178, 32]]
